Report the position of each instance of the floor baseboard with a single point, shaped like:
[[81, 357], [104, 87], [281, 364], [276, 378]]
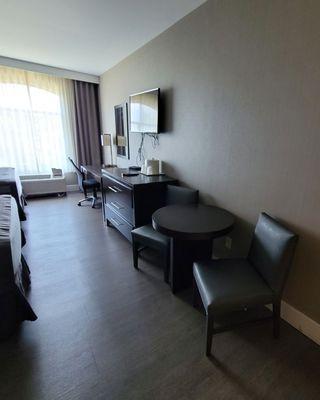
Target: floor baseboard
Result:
[[72, 188], [300, 321]]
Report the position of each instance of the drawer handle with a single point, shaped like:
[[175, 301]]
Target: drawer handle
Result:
[[115, 205], [112, 189], [115, 222]]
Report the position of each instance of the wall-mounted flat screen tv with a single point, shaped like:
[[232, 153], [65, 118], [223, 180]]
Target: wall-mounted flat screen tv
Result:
[[144, 111]]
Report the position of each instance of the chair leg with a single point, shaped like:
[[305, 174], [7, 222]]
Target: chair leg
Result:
[[210, 330], [276, 308], [135, 253], [83, 200]]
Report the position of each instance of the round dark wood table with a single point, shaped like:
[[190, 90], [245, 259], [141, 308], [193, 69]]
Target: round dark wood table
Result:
[[192, 229]]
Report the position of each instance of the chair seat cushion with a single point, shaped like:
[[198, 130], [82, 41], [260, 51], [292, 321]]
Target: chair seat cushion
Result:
[[230, 284], [147, 236], [90, 182]]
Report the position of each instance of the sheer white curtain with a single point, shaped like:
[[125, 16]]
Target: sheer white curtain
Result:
[[36, 121]]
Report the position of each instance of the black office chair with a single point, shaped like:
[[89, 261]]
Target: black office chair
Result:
[[86, 185], [234, 284], [146, 236]]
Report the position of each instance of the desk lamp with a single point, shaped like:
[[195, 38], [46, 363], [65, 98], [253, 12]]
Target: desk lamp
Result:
[[106, 141]]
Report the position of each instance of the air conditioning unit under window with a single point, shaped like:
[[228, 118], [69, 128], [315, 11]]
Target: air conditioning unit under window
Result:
[[43, 184]]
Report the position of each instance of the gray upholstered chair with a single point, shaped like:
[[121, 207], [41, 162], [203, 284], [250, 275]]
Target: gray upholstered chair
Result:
[[234, 284], [146, 236]]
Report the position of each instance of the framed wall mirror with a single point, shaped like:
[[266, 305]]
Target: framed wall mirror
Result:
[[122, 133]]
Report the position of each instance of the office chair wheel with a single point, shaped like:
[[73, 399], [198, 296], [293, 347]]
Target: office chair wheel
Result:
[[79, 204]]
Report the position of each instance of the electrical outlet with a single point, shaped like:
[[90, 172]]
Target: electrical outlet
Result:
[[228, 242]]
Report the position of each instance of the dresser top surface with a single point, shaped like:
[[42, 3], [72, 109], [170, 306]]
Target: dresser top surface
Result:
[[137, 179]]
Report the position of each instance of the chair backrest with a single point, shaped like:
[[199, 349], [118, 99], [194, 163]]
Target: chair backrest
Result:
[[181, 195], [79, 173], [271, 251]]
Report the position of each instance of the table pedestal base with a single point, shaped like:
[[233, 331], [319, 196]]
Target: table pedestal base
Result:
[[183, 254]]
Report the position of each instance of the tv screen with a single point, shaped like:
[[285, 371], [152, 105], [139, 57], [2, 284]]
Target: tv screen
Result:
[[144, 111]]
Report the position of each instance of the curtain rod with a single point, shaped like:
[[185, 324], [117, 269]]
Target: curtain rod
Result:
[[46, 69]]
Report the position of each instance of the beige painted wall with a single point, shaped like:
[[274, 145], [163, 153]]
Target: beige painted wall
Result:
[[241, 81]]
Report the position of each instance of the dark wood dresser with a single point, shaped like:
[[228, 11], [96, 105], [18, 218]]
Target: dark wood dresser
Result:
[[129, 201]]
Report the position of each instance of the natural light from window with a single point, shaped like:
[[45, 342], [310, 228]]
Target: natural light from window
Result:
[[35, 127]]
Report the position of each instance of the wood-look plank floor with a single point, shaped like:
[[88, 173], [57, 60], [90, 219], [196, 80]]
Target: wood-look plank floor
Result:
[[106, 331]]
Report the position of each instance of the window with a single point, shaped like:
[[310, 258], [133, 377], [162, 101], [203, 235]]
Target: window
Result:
[[36, 121]]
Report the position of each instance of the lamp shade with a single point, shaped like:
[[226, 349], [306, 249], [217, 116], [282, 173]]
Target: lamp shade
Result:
[[121, 141], [106, 140]]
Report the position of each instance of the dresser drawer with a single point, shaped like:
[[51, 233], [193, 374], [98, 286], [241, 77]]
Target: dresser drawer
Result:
[[116, 191], [121, 209], [119, 197], [118, 222]]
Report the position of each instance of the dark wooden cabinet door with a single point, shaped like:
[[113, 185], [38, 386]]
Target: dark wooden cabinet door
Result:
[[147, 199]]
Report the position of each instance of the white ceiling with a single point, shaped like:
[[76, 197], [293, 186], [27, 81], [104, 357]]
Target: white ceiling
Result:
[[88, 36]]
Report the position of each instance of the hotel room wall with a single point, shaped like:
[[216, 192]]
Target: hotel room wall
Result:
[[240, 84]]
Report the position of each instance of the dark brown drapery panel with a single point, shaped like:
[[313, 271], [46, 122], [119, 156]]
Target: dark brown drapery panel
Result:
[[87, 123]]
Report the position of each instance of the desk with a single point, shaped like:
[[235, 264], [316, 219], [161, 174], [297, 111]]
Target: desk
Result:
[[93, 170], [192, 229]]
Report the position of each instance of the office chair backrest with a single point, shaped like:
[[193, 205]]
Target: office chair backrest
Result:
[[271, 251], [181, 195], [80, 174], [75, 165]]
